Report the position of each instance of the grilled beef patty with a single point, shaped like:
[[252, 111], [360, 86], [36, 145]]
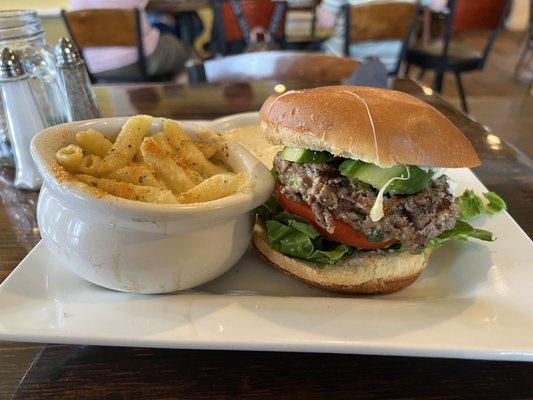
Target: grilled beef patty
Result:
[[411, 219]]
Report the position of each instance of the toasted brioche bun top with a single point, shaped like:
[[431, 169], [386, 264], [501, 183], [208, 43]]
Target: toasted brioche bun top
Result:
[[380, 126]]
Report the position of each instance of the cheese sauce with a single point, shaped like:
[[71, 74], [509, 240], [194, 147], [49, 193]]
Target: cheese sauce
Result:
[[255, 142]]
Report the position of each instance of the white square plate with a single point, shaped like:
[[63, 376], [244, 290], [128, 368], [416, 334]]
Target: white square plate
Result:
[[473, 301]]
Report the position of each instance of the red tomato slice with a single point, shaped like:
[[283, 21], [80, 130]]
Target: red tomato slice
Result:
[[344, 232]]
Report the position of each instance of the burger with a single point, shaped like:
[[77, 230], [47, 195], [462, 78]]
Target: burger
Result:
[[361, 196]]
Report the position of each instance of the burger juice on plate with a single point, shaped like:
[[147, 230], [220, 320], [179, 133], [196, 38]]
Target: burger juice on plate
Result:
[[361, 195]]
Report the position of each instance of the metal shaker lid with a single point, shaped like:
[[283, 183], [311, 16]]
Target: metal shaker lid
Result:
[[10, 65], [66, 52]]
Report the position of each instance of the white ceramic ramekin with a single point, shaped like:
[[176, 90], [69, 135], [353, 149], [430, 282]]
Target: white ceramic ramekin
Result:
[[139, 247]]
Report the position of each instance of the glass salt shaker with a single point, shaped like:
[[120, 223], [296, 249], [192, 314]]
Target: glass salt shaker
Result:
[[22, 32], [23, 117]]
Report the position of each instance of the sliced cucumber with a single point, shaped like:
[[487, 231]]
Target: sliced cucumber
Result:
[[378, 177], [418, 179], [369, 173], [305, 156]]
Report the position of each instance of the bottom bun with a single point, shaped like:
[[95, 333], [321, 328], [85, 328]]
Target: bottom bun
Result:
[[372, 272]]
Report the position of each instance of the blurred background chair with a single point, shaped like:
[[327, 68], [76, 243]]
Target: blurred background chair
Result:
[[119, 44], [98, 28], [449, 55], [300, 24], [380, 21], [279, 65], [191, 21], [237, 20]]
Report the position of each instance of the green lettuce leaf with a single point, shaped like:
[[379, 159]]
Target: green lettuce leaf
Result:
[[471, 205], [496, 203], [292, 241], [274, 173], [295, 237], [461, 231], [305, 228], [266, 210]]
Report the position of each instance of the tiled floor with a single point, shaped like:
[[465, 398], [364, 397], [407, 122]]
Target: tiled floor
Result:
[[495, 97]]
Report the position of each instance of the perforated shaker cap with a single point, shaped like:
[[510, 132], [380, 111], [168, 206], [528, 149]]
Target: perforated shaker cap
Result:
[[10, 65], [66, 52]]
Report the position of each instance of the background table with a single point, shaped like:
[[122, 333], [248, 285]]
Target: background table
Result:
[[34, 371]]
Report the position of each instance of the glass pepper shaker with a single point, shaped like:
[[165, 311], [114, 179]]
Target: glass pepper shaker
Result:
[[73, 73]]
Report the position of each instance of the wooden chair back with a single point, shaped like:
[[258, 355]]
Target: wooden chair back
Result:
[[103, 27], [257, 13], [388, 20], [478, 14], [107, 28], [379, 21], [467, 15], [280, 65]]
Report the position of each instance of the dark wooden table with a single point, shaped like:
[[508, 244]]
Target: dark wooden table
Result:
[[34, 371]]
